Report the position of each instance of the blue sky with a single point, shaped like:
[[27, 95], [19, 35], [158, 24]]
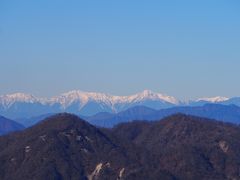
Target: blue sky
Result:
[[186, 49]]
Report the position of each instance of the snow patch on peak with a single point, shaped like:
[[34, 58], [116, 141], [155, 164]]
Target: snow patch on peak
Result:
[[214, 99], [70, 97], [82, 98], [76, 94], [147, 94], [19, 96], [9, 99]]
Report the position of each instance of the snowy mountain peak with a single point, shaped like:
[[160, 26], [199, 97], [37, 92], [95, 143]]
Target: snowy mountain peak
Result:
[[81, 97], [77, 94], [214, 99], [20, 97], [89, 103], [9, 99], [70, 97], [148, 94]]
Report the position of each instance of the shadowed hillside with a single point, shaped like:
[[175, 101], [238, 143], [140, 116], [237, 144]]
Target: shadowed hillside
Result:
[[178, 147]]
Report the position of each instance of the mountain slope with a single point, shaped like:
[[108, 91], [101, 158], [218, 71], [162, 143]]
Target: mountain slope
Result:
[[7, 126], [62, 147], [178, 147], [188, 147]]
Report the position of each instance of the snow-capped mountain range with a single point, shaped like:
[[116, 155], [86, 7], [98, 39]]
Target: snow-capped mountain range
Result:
[[88, 103]]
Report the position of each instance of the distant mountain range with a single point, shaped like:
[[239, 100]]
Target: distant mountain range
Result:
[[177, 147], [20, 105], [225, 113]]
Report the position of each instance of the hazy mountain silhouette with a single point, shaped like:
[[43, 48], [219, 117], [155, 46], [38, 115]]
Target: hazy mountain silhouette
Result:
[[7, 126], [27, 122], [226, 113]]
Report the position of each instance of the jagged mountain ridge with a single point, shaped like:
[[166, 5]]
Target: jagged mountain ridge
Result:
[[20, 105], [68, 98]]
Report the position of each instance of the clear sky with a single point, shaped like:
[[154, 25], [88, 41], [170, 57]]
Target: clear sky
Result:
[[183, 48]]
